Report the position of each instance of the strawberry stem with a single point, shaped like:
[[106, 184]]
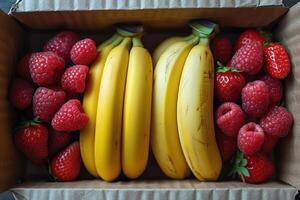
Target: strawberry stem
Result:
[[223, 68]]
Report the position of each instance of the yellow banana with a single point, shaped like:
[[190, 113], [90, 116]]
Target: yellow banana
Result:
[[109, 112], [90, 101], [137, 111], [164, 136], [195, 114]]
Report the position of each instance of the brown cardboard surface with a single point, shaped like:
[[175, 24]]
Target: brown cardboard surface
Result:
[[288, 34]]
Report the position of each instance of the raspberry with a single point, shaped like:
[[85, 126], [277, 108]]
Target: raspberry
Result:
[[226, 144], [23, 67], [255, 98], [230, 118], [84, 52], [277, 122], [62, 43], [275, 89], [46, 102], [21, 94], [250, 138], [269, 143], [46, 68], [73, 79], [70, 117]]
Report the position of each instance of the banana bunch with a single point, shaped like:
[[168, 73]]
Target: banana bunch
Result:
[[183, 137], [118, 102]]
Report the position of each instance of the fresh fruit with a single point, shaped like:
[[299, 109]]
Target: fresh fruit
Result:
[[21, 93], [230, 118], [70, 117], [23, 67], [109, 112], [46, 102], [228, 84], [74, 78], [247, 37], [61, 44], [277, 61], [277, 122], [84, 52], [270, 142], [222, 49], [165, 142], [32, 140], [275, 89], [58, 140], [65, 166], [255, 98], [46, 68], [227, 145], [250, 138], [137, 111], [249, 58]]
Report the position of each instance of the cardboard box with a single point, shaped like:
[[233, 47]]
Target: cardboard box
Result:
[[31, 22]]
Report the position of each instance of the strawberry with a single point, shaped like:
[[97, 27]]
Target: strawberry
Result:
[[46, 68], [221, 49], [226, 144], [250, 138], [277, 61], [58, 140], [247, 37], [228, 84], [32, 140], [277, 122], [249, 58], [61, 44], [255, 98], [84, 52], [230, 118], [74, 78], [65, 166], [269, 143], [256, 168], [23, 67], [21, 93], [70, 117], [275, 89]]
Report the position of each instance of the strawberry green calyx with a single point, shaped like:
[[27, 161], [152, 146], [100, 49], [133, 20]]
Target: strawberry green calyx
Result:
[[239, 166], [27, 123], [129, 30], [267, 35], [204, 28], [223, 68]]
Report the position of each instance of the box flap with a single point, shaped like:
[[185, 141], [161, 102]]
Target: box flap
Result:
[[288, 33]]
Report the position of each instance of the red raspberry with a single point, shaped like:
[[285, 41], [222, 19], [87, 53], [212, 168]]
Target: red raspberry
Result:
[[23, 67], [226, 144], [222, 49], [62, 43], [247, 37], [230, 118], [58, 140], [277, 121], [21, 94], [70, 117], [84, 52], [73, 79], [275, 89], [46, 68], [46, 102], [255, 98], [269, 143], [250, 138]]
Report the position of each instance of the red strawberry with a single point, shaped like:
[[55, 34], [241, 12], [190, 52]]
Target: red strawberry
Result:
[[230, 118], [269, 143], [249, 58], [277, 61], [70, 117], [277, 122], [229, 84], [255, 98], [21, 93], [46, 102], [32, 140], [46, 68], [250, 138], [65, 166], [226, 144], [222, 49], [275, 89], [58, 140], [84, 52], [62, 43], [247, 37], [74, 78], [23, 67]]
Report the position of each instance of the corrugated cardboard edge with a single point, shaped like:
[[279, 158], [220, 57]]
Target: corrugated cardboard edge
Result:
[[288, 34]]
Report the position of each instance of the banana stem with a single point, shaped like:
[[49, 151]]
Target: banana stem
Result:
[[204, 41], [129, 30], [189, 37], [136, 42], [110, 40]]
